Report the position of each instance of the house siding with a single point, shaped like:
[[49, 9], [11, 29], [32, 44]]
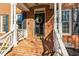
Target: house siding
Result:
[[74, 39]]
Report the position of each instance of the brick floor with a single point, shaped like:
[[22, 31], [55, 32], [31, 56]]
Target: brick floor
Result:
[[27, 48]]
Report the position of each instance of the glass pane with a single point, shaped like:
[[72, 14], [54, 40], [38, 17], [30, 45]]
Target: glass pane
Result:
[[65, 27], [4, 23], [19, 21], [41, 29], [65, 15], [65, 21], [76, 22], [37, 30]]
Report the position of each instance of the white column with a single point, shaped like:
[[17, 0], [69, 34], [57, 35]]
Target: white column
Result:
[[55, 16], [13, 23], [56, 45], [1, 24], [15, 26], [64, 51], [60, 19]]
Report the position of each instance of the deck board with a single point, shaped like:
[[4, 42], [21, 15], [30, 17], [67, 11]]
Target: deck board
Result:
[[26, 48]]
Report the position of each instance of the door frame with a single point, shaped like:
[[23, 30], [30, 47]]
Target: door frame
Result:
[[43, 11]]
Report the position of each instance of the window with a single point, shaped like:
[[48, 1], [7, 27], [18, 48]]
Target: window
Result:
[[21, 21], [3, 23], [66, 21], [70, 23]]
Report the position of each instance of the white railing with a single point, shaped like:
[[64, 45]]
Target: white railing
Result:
[[59, 46], [6, 42], [20, 34]]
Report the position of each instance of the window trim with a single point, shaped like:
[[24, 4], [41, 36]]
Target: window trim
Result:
[[43, 11], [70, 22]]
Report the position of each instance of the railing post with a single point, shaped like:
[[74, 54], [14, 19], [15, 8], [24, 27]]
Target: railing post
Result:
[[55, 16], [13, 23], [55, 24], [15, 26]]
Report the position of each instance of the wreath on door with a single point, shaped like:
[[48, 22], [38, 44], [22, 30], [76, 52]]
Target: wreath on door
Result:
[[39, 20]]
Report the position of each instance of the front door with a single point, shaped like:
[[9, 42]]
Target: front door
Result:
[[39, 23]]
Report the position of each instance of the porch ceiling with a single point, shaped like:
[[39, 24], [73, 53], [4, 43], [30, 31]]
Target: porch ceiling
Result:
[[27, 6], [22, 7]]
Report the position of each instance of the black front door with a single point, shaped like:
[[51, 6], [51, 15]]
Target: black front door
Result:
[[39, 23]]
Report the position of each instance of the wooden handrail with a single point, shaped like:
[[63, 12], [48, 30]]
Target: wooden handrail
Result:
[[6, 34], [7, 42]]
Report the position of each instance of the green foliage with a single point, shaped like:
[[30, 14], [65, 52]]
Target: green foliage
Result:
[[5, 46], [41, 37]]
